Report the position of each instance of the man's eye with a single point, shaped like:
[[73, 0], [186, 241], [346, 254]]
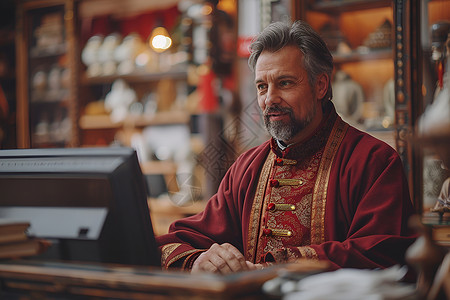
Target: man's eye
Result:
[[285, 83], [261, 86]]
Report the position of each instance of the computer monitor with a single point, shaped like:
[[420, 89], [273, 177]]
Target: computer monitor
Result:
[[91, 203]]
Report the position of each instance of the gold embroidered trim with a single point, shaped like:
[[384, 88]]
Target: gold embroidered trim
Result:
[[187, 265], [308, 253], [253, 227], [166, 250], [177, 257], [321, 185]]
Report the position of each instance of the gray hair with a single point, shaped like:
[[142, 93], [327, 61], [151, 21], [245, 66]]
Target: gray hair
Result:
[[317, 59]]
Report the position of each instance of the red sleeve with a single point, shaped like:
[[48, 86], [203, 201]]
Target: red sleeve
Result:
[[368, 206], [222, 219], [216, 224]]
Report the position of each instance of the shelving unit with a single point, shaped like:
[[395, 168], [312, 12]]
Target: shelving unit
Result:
[[348, 5], [433, 144], [358, 57], [346, 26], [47, 73], [143, 82], [92, 125], [88, 122], [165, 87], [7, 88], [136, 77]]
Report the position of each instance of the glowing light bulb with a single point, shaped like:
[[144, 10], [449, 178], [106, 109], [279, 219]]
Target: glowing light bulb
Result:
[[160, 40]]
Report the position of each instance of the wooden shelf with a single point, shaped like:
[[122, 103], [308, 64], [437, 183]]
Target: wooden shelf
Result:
[[50, 97], [97, 122], [162, 118], [40, 53], [348, 5], [357, 56], [137, 77]]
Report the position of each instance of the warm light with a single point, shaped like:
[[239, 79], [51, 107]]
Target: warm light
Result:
[[160, 40]]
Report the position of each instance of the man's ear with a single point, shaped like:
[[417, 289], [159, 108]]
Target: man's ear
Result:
[[321, 86]]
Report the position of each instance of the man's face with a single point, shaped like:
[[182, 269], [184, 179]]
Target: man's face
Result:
[[289, 104]]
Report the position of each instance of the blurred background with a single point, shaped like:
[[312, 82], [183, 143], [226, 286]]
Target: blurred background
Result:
[[170, 79]]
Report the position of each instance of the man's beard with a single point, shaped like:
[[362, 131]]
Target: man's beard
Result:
[[286, 131]]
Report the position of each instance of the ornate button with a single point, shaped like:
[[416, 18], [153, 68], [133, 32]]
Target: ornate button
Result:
[[277, 232], [284, 206], [274, 183], [285, 161], [271, 206], [267, 231], [282, 232], [291, 162], [280, 206], [286, 182]]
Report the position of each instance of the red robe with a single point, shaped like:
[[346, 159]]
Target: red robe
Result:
[[341, 196]]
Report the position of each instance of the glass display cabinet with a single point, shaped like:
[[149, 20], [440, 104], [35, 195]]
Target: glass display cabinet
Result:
[[431, 95], [46, 72], [360, 36]]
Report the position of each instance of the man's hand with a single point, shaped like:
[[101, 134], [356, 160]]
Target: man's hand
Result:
[[223, 259]]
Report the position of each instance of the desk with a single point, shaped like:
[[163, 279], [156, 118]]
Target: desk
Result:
[[26, 279], [55, 280]]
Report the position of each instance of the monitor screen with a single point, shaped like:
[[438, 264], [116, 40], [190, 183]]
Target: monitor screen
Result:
[[90, 203]]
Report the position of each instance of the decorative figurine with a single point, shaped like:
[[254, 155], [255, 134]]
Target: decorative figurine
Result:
[[348, 97], [106, 54], [381, 38], [119, 99], [89, 56], [126, 53]]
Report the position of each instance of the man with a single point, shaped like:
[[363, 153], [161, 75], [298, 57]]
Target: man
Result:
[[319, 189]]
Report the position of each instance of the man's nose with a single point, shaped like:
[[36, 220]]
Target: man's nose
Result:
[[272, 96]]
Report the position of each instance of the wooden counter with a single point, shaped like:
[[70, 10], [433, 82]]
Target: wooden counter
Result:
[[55, 280]]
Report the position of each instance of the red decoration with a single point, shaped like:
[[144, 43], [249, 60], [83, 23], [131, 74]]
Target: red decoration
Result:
[[440, 74], [267, 231], [243, 46], [274, 183], [208, 98]]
